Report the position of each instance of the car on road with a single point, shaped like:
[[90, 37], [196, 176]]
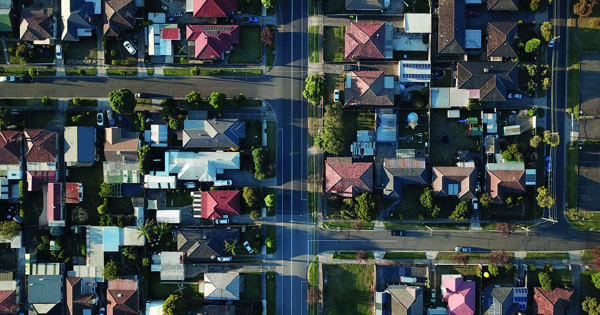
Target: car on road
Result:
[[7, 79], [100, 119], [472, 13], [224, 259], [350, 67], [548, 164], [251, 19], [141, 95], [397, 233], [462, 249], [248, 248], [102, 311], [129, 47], [515, 95], [109, 115], [336, 95], [59, 52], [26, 78], [551, 43]]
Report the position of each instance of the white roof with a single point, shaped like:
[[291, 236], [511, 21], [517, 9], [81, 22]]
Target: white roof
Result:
[[444, 97], [386, 127], [168, 216], [454, 113], [472, 39], [154, 307], [110, 238], [160, 182], [157, 17], [172, 266], [417, 23], [201, 166]]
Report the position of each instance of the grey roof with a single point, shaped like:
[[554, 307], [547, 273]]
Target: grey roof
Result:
[[451, 27], [406, 300], [400, 172], [502, 301], [500, 38], [222, 286], [492, 79], [205, 244], [365, 5], [81, 17], [44, 291], [80, 144], [223, 133], [503, 5]]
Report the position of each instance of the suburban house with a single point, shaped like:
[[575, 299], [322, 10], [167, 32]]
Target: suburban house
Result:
[[211, 41], [368, 40], [73, 193], [160, 182], [80, 146], [119, 15], [35, 179], [123, 297], [222, 286], [454, 181], [451, 27], [8, 297], [40, 152], [78, 18], [211, 8], [213, 134], [414, 71], [121, 157], [160, 40], [367, 5], [170, 265], [459, 294], [44, 290], [555, 302], [200, 245], [10, 152], [369, 88], [169, 216], [503, 5], [157, 136], [504, 300], [505, 179], [386, 125], [364, 144], [5, 11], [404, 300], [487, 81], [53, 208], [81, 295], [403, 171], [199, 166], [217, 203], [346, 178], [107, 239], [501, 36], [36, 26]]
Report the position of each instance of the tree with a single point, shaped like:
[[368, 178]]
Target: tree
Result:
[[9, 229], [435, 212], [532, 45], [596, 280], [499, 258], [267, 36], [361, 255], [147, 230], [333, 138], [584, 8], [268, 4], [512, 153], [314, 89], [174, 305], [461, 212], [112, 270], [547, 31], [271, 242], [461, 258], [122, 101], [239, 100], [271, 200], [426, 198], [546, 83], [590, 306], [366, 207], [535, 141], [493, 270], [252, 196], [473, 104], [217, 99], [77, 101], [534, 5], [33, 72], [551, 138], [254, 214], [259, 163], [46, 101], [231, 247], [145, 162], [545, 281], [486, 199], [194, 99], [314, 295], [129, 252], [175, 123], [543, 198], [505, 228]]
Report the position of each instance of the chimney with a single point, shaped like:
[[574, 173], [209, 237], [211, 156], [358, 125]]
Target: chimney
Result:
[[120, 295]]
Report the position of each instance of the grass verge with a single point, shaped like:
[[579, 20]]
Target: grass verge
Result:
[[271, 232], [214, 72], [121, 72], [271, 284], [350, 255], [81, 71], [313, 43], [585, 221], [333, 43], [349, 225], [547, 255], [252, 286], [404, 255], [572, 165]]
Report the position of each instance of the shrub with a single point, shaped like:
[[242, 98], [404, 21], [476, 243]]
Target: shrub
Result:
[[46, 101], [545, 281], [195, 71], [532, 45]]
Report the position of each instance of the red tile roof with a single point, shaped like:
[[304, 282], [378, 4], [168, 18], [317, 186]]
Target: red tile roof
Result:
[[502, 182], [122, 297], [10, 143], [365, 40], [551, 302], [72, 192], [8, 302], [41, 146], [211, 41], [53, 202], [35, 178], [214, 8], [346, 178], [217, 203], [171, 33]]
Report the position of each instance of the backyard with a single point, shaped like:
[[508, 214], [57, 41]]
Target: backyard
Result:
[[178, 198], [252, 286], [250, 43], [561, 278], [91, 177], [86, 48], [333, 43], [342, 281], [447, 137], [584, 34]]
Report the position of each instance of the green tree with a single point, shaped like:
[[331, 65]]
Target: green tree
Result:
[[145, 161], [129, 252], [435, 212], [252, 196], [271, 200], [473, 104], [147, 230], [314, 89], [590, 305], [532, 45], [175, 123], [596, 280], [461, 212], [535, 141], [512, 153], [217, 100], [584, 8], [239, 100], [551, 138], [545, 281], [534, 5], [333, 138], [174, 305], [271, 242], [547, 31], [122, 101], [493, 269], [169, 109], [231, 247], [33, 72], [9, 229], [259, 163], [268, 4], [194, 99], [112, 270], [543, 198], [366, 207], [486, 199], [46, 101], [426, 198]]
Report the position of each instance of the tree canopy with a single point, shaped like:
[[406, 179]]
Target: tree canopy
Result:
[[194, 99], [547, 31], [174, 305], [590, 305], [217, 100], [584, 8], [112, 270], [271, 200], [532, 45], [252, 196], [545, 281], [551, 138], [535, 141], [543, 198], [461, 212], [122, 101], [333, 138], [314, 89], [366, 207], [512, 153], [144, 159], [9, 229], [268, 4]]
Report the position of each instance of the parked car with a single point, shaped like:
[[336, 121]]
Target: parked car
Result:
[[397, 233], [515, 95], [222, 182], [100, 119], [548, 164], [475, 203], [18, 219], [109, 115], [129, 47], [251, 19], [350, 67], [462, 249], [141, 95], [248, 248], [189, 185], [551, 43], [102, 311], [59, 52], [7, 79], [336, 95], [222, 221], [472, 13], [224, 259]]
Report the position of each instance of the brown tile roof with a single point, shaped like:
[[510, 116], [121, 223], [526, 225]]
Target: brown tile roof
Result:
[[346, 178], [451, 27], [454, 180], [120, 145], [77, 301], [552, 302], [40, 146], [500, 37], [365, 40], [10, 144], [8, 298], [492, 79], [503, 5], [368, 88], [122, 297], [72, 192], [35, 25], [118, 15], [502, 182]]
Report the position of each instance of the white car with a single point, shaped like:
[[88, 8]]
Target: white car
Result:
[[100, 119], [224, 259], [336, 95], [129, 47], [475, 203], [222, 221], [7, 79], [59, 52], [551, 43], [248, 248]]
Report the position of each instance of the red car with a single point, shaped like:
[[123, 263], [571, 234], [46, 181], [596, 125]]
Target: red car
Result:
[[472, 13]]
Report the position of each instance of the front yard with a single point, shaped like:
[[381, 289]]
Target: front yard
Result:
[[333, 43], [348, 280], [250, 43]]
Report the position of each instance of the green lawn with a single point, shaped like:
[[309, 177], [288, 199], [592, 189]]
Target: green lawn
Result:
[[348, 280], [252, 286], [572, 165], [85, 102], [561, 278], [349, 255], [313, 272], [410, 205], [178, 198], [26, 102], [586, 282], [423, 227], [271, 153], [584, 220], [405, 255], [85, 48], [334, 6], [250, 43], [271, 289], [582, 39], [150, 71], [445, 81], [348, 225], [313, 43], [271, 231], [213, 72], [120, 205], [547, 255], [443, 154], [333, 43], [38, 119], [122, 72], [81, 71], [158, 290]]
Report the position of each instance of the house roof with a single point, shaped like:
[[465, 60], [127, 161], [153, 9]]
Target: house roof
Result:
[[80, 146], [10, 147], [78, 299], [347, 178], [454, 181], [204, 244], [370, 88], [53, 208], [8, 297], [365, 40], [402, 171], [459, 294], [222, 286], [172, 266], [501, 182], [171, 33], [211, 41], [72, 192], [365, 5], [504, 300], [35, 25], [406, 300], [119, 15], [122, 296], [500, 37], [451, 27], [157, 136], [492, 79], [35, 178], [121, 145], [44, 291], [503, 5], [77, 15], [41, 146], [386, 125], [552, 302], [222, 133], [200, 166], [214, 8], [217, 203]]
